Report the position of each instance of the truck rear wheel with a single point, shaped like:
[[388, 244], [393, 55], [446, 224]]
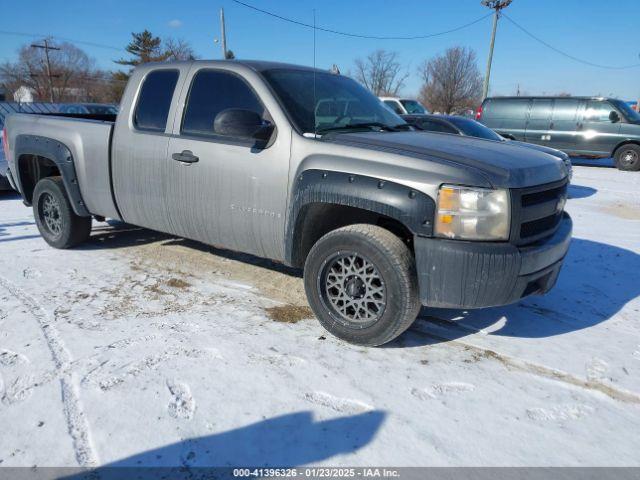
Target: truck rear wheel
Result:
[[627, 157], [361, 283], [57, 222]]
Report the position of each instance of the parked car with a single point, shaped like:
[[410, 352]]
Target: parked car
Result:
[[404, 106], [580, 126], [381, 217], [456, 125], [89, 108]]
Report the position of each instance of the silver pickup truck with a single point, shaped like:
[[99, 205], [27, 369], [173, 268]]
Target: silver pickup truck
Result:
[[307, 168]]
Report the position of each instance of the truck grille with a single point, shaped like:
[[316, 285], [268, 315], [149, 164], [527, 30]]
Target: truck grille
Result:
[[536, 211]]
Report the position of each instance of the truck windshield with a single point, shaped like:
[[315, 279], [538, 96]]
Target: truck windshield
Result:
[[339, 103], [627, 111]]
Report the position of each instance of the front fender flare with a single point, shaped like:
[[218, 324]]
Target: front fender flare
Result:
[[413, 209]]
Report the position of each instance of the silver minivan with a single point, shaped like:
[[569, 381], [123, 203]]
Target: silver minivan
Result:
[[579, 126]]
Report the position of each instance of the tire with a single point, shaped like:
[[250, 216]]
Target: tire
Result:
[[57, 222], [627, 157], [362, 285]]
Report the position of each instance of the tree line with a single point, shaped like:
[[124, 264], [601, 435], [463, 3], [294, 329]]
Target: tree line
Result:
[[451, 82], [67, 74]]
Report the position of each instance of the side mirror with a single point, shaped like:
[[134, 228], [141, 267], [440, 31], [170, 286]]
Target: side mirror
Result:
[[237, 122], [614, 117]]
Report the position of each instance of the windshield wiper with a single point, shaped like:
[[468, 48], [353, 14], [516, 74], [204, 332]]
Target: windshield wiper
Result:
[[369, 125]]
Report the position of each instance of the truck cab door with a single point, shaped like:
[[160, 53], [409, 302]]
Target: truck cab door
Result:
[[226, 190], [139, 146], [598, 133]]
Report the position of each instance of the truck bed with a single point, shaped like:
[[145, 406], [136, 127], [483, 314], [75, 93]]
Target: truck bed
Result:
[[88, 140]]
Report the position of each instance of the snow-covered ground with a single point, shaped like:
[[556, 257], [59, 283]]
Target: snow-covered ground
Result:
[[142, 349]]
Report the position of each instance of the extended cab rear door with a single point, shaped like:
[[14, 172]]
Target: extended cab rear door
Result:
[[140, 142], [224, 190]]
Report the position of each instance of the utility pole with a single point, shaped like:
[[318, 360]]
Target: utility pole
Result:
[[223, 35], [496, 5], [46, 48]]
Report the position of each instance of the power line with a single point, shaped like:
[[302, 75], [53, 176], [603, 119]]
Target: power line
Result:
[[565, 54], [356, 35], [63, 39]]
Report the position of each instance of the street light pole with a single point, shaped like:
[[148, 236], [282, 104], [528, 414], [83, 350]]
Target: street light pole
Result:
[[496, 5]]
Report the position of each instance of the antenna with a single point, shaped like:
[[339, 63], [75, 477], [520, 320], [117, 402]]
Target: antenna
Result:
[[315, 123]]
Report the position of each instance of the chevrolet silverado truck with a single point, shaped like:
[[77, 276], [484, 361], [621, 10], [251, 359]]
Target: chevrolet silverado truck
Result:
[[307, 168]]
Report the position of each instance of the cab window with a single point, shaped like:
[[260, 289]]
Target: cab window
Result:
[[213, 91], [154, 101]]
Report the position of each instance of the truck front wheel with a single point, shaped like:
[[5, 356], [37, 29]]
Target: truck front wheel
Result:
[[361, 283], [57, 222]]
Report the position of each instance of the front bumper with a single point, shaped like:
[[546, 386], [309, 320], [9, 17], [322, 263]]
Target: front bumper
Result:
[[460, 274]]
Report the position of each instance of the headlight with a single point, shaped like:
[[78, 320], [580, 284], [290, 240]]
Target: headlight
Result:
[[468, 213]]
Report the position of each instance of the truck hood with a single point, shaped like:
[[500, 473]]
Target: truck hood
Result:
[[505, 165]]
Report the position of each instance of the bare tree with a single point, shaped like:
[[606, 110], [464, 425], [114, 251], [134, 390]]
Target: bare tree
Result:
[[381, 72], [452, 82], [70, 68], [178, 49]]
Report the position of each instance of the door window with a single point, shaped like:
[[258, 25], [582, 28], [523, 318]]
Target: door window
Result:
[[154, 101], [213, 91], [598, 112]]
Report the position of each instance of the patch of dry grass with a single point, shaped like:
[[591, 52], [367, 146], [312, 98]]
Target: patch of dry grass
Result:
[[178, 283], [289, 313]]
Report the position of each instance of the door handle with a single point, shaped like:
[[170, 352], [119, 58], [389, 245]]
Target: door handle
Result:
[[186, 156]]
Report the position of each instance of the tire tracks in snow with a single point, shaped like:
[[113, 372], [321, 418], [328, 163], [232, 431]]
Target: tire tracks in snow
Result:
[[514, 363], [74, 414]]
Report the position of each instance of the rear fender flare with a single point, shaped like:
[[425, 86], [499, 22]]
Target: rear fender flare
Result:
[[59, 154]]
